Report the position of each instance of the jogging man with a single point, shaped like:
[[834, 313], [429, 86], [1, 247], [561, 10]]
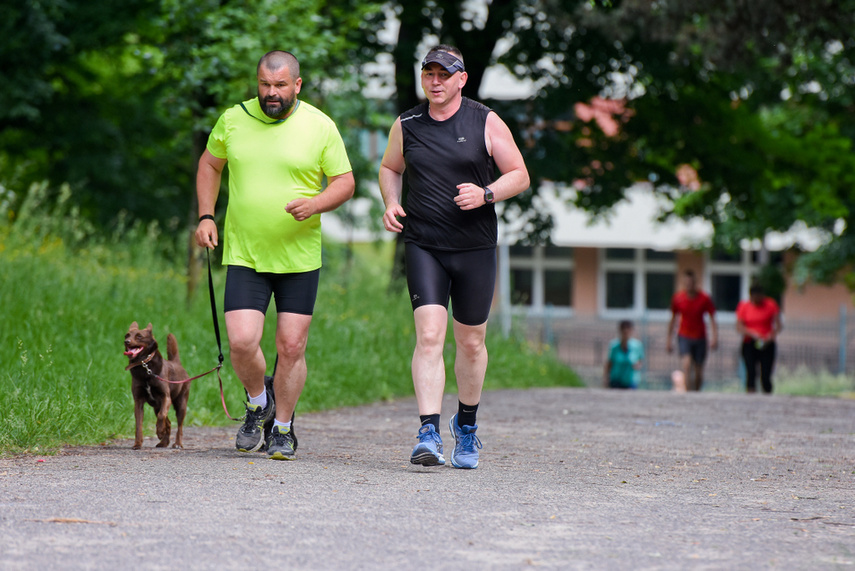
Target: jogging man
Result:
[[452, 148], [691, 304], [278, 150]]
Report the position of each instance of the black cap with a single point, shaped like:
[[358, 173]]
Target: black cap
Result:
[[450, 62]]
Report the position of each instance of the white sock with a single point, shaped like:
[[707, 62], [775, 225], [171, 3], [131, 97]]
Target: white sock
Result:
[[260, 400], [282, 425]]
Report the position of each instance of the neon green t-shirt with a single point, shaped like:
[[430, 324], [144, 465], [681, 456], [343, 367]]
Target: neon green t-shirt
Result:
[[271, 164]]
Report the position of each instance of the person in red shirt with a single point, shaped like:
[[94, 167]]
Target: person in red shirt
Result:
[[758, 320], [691, 304]]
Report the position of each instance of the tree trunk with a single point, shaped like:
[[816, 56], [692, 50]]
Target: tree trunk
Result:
[[194, 253]]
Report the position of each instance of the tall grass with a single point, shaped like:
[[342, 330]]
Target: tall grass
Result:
[[69, 293]]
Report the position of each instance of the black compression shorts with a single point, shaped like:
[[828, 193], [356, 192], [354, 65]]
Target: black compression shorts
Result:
[[467, 277], [248, 289]]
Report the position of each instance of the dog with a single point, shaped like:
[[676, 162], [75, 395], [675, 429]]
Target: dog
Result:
[[148, 371]]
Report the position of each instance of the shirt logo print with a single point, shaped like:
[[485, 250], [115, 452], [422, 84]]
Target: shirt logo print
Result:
[[461, 139]]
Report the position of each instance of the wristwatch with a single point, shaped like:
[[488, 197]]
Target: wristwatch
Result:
[[488, 195]]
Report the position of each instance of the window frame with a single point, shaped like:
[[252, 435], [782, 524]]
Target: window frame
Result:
[[538, 263], [639, 266]]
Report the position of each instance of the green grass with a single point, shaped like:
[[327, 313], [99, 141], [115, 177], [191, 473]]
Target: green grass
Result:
[[69, 294], [802, 382]]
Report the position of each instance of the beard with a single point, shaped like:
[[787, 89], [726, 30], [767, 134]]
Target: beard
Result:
[[276, 107]]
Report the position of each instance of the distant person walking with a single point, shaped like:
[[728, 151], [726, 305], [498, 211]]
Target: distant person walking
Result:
[[691, 304], [758, 320], [623, 363]]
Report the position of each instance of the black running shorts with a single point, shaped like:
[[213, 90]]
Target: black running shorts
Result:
[[248, 289], [696, 348], [467, 277]]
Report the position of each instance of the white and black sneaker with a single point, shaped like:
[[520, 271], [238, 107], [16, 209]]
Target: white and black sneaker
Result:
[[250, 436]]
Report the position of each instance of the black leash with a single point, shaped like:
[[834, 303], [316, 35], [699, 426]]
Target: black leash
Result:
[[217, 333], [214, 307]]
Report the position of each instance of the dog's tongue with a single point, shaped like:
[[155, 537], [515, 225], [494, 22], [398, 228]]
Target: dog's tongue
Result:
[[133, 352]]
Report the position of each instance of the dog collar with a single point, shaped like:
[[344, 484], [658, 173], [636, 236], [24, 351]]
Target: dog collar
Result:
[[143, 362]]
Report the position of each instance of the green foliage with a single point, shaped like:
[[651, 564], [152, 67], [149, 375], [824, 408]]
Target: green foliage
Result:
[[129, 90], [803, 382], [757, 101], [69, 294]]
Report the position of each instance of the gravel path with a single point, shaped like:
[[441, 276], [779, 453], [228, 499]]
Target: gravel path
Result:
[[569, 479]]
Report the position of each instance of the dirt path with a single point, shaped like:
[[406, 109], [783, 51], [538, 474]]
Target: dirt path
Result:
[[569, 479]]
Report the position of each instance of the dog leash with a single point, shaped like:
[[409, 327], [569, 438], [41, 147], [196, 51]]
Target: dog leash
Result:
[[217, 333], [144, 363]]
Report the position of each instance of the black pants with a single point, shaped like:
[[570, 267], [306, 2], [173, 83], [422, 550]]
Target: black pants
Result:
[[765, 357]]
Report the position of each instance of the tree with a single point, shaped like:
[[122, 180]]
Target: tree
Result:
[[757, 98], [116, 97]]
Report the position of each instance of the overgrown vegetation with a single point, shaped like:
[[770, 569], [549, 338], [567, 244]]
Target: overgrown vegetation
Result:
[[69, 294]]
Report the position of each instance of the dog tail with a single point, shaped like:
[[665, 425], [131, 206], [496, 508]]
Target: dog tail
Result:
[[172, 348]]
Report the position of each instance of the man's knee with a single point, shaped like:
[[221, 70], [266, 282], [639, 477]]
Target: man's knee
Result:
[[242, 345], [471, 341], [291, 348]]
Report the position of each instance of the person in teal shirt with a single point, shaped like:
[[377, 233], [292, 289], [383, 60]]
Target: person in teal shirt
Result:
[[625, 357]]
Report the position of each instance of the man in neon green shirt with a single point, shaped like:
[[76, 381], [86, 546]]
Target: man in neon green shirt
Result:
[[278, 150]]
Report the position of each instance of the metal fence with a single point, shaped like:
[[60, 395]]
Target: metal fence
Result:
[[818, 346]]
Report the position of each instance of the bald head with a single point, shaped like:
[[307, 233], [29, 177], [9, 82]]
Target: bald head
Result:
[[278, 59]]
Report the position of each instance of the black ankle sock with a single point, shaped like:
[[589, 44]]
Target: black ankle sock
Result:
[[430, 419], [466, 414]]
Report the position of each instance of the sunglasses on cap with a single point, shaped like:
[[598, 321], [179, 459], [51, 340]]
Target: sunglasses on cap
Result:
[[451, 63]]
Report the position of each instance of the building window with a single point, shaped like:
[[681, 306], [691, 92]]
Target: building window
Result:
[[620, 254], [541, 276], [558, 287], [636, 280], [659, 289], [522, 284], [620, 290], [725, 290], [729, 276]]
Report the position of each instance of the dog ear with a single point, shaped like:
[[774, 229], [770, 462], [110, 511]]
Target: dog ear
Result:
[[148, 328], [134, 325]]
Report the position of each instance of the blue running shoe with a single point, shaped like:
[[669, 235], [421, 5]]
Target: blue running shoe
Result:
[[466, 445], [428, 452]]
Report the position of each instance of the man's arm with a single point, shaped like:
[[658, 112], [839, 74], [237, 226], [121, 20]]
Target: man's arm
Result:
[[391, 179], [208, 177], [713, 332], [338, 191], [508, 158], [669, 341]]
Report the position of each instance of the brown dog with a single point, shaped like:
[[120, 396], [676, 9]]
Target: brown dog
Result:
[[147, 371]]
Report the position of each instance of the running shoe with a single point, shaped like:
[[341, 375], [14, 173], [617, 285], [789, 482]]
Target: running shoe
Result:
[[268, 426], [250, 436], [428, 452], [280, 445], [466, 445]]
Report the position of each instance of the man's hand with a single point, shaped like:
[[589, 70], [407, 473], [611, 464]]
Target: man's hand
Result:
[[390, 218], [469, 196], [669, 345], [300, 209], [206, 234]]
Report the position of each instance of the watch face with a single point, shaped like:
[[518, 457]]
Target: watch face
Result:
[[488, 195]]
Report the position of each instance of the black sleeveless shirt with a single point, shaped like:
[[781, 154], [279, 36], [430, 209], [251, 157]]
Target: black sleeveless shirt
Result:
[[439, 155]]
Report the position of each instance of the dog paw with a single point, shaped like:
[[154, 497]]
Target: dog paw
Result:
[[136, 446]]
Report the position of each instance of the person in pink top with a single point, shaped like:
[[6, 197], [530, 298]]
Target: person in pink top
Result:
[[691, 304], [758, 320]]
